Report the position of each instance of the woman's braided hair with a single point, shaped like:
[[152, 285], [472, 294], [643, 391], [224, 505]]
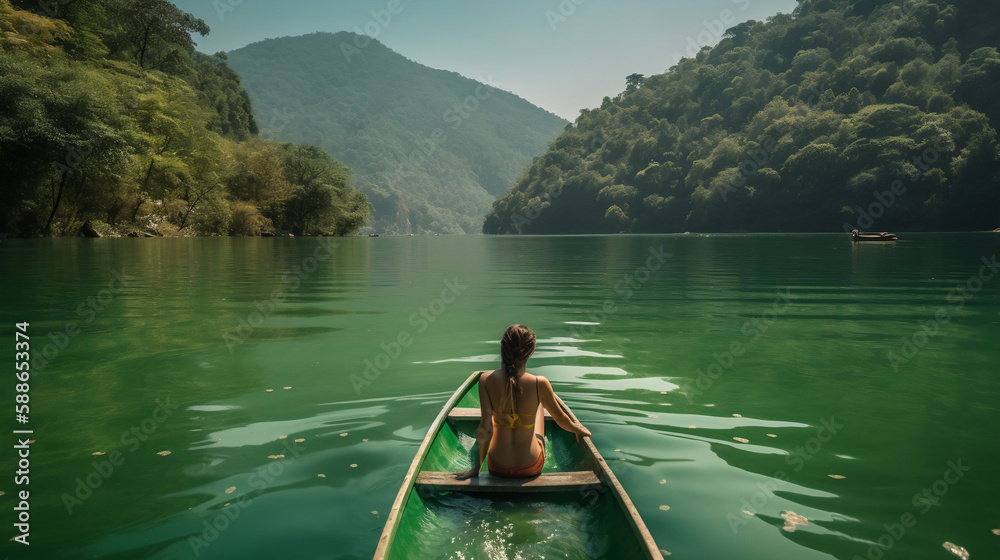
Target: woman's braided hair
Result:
[[516, 346]]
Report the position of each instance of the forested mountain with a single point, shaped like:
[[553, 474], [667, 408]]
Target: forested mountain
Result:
[[430, 148], [108, 115], [869, 114]]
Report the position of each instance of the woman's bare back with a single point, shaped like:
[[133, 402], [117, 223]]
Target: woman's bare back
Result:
[[517, 418]]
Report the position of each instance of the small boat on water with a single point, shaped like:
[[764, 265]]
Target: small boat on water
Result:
[[575, 479], [869, 236]]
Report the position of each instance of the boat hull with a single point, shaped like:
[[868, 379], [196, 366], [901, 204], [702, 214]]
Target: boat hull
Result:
[[575, 508], [858, 236]]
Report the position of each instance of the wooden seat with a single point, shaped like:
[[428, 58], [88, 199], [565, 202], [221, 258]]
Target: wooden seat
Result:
[[546, 482]]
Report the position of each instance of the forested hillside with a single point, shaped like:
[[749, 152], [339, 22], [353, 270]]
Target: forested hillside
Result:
[[430, 148], [108, 115], [869, 114]]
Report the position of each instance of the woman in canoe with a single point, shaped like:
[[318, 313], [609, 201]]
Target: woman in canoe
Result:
[[512, 430]]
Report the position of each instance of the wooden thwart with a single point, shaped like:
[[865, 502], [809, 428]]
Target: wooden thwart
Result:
[[546, 482]]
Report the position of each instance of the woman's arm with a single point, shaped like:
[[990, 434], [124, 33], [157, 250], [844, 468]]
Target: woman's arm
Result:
[[548, 397], [483, 435]]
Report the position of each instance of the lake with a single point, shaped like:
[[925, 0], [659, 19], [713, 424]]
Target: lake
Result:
[[732, 378]]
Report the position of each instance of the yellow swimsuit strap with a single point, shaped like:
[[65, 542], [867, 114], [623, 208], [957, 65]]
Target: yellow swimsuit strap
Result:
[[513, 417]]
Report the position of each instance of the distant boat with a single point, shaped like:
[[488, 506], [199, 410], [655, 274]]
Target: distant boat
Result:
[[372, 235], [578, 473], [869, 236]]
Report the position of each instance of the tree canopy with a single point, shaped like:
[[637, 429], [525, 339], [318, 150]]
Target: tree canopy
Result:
[[844, 113], [108, 115]]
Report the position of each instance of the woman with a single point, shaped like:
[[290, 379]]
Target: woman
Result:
[[512, 430]]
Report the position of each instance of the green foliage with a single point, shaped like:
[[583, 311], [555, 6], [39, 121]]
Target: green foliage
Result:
[[633, 82], [88, 134], [430, 148], [31, 33], [321, 201], [218, 86], [247, 220], [257, 176], [794, 124], [213, 217], [151, 33]]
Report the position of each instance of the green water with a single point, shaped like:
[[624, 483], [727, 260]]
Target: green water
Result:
[[799, 329]]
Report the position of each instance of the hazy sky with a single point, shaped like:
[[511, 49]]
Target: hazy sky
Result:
[[562, 55]]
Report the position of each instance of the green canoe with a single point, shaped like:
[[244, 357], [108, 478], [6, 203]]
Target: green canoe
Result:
[[575, 509]]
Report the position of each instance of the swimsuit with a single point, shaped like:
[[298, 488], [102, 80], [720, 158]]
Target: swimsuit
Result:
[[512, 421], [527, 471]]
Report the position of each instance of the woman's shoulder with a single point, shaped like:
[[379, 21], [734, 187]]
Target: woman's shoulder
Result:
[[487, 377], [540, 380]]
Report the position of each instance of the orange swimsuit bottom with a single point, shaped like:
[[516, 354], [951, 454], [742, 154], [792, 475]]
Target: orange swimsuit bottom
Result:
[[527, 471]]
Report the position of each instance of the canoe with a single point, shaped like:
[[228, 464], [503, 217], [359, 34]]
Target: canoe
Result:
[[868, 236], [588, 512]]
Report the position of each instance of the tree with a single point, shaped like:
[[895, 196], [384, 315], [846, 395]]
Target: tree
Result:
[[633, 82], [151, 29], [256, 175], [317, 180], [61, 133]]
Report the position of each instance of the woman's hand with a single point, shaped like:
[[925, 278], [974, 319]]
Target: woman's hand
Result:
[[581, 431], [467, 474]]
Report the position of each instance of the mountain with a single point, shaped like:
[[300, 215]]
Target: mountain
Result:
[[868, 114], [431, 149]]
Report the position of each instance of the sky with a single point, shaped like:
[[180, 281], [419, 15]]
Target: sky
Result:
[[562, 55]]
